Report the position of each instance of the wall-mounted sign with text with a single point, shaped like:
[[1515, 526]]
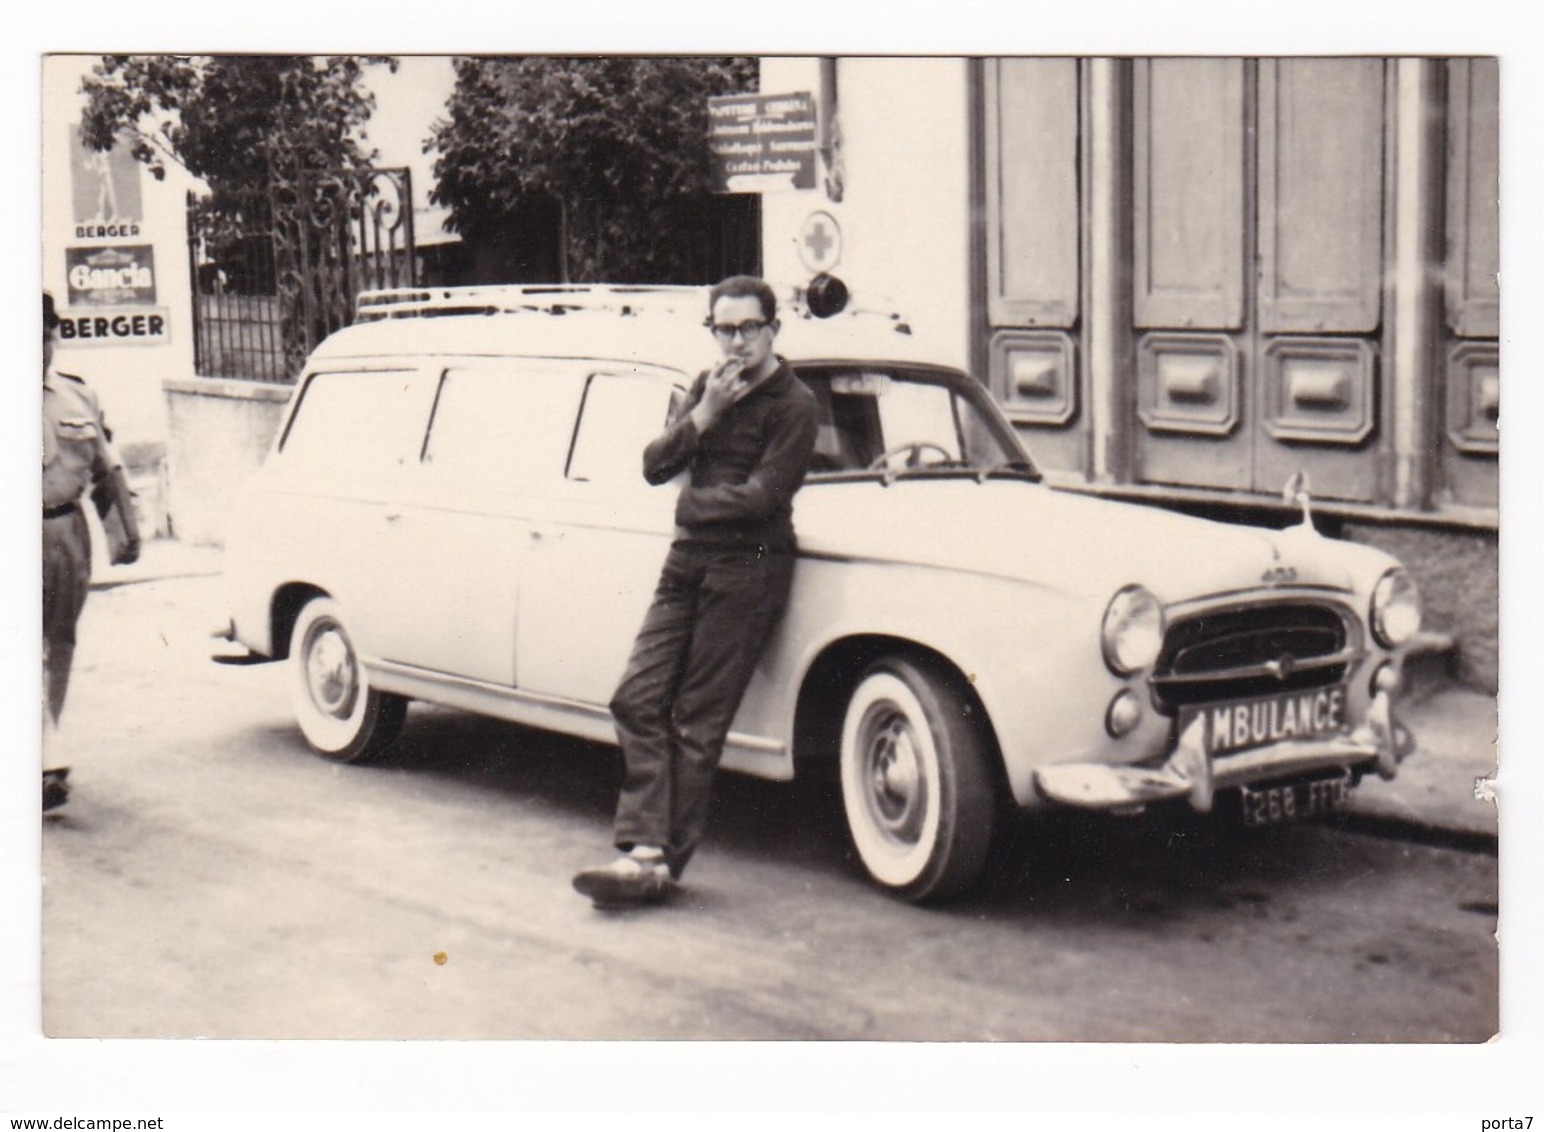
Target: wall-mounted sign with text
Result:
[[106, 193], [117, 276], [114, 328], [762, 142]]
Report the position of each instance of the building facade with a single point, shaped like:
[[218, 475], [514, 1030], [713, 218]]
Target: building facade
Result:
[[1188, 279]]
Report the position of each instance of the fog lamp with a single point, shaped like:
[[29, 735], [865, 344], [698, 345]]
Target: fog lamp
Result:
[[1385, 679], [1123, 714]]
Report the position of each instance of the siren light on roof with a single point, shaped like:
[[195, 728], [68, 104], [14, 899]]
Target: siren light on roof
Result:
[[826, 296]]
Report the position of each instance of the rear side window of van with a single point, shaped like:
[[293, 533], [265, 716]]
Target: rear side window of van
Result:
[[358, 423], [502, 425], [621, 414]]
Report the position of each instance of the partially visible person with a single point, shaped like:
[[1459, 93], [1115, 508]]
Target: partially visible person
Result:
[[78, 458], [745, 435]]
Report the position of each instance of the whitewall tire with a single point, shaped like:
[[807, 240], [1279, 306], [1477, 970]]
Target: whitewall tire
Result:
[[341, 716], [916, 784]]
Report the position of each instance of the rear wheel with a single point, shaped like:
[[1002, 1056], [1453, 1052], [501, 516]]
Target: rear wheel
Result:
[[341, 716], [916, 783]]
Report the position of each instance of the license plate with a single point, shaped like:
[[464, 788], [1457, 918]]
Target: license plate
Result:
[[1239, 725], [1276, 804]]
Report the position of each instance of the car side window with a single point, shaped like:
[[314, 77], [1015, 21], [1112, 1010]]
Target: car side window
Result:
[[502, 426], [354, 423], [621, 414]]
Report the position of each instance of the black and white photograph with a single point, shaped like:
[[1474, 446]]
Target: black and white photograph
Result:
[[556, 549]]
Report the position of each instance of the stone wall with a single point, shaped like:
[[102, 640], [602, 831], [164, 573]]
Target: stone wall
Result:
[[1459, 575], [219, 433]]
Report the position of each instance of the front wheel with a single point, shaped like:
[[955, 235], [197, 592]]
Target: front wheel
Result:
[[916, 783], [341, 716]]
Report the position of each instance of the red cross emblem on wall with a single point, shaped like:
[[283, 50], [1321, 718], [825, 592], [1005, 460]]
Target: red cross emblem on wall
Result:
[[820, 242]]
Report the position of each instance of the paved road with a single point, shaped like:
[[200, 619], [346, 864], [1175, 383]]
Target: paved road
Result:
[[211, 877]]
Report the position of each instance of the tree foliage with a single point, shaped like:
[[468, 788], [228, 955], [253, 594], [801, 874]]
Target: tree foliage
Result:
[[617, 144], [276, 139], [232, 120]]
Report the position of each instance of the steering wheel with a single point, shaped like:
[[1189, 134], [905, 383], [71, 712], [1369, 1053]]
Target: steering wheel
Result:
[[914, 451]]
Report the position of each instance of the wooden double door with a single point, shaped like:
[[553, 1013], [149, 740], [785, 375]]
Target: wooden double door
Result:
[[1255, 235]]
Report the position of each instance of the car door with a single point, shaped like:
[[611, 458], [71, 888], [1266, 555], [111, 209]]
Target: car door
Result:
[[599, 542], [350, 447], [458, 537]]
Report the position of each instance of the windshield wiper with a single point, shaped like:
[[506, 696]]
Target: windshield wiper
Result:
[[1012, 468]]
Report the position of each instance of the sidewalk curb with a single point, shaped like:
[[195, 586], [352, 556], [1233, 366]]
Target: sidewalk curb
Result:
[[111, 583], [1392, 828], [161, 560]]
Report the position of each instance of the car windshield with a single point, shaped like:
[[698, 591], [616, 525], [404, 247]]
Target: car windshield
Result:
[[894, 421]]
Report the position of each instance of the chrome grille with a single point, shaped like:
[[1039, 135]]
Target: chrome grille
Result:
[[1250, 651]]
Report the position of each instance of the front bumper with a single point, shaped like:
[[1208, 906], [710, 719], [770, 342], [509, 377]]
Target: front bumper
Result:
[[1190, 772]]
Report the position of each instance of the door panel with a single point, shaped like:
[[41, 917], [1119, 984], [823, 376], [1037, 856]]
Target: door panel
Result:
[[1189, 193], [456, 541], [597, 545], [1288, 377], [1321, 195], [1191, 213], [1322, 199], [348, 456], [1034, 206], [1318, 408], [1470, 443], [1032, 139], [1472, 437], [1474, 182], [1191, 406]]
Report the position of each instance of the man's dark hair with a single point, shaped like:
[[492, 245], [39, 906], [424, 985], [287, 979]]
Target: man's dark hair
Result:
[[745, 287], [50, 316]]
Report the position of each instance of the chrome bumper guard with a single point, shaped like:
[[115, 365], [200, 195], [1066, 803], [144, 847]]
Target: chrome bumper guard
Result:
[[1191, 773], [243, 655]]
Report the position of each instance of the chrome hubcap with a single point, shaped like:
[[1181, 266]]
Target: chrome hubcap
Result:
[[897, 790], [332, 676]]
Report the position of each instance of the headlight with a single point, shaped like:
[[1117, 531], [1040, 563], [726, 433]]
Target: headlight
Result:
[[1396, 609], [1132, 632]]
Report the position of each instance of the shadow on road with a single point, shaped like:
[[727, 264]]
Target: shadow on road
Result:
[[1056, 866]]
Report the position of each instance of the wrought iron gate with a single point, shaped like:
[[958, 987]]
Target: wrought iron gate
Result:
[[278, 268]]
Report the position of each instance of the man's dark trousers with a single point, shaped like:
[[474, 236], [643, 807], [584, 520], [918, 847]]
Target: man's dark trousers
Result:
[[713, 611]]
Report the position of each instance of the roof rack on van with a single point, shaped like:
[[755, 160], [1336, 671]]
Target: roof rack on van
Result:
[[536, 298], [627, 299]]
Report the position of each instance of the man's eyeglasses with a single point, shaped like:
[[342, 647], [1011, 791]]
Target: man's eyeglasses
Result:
[[725, 331]]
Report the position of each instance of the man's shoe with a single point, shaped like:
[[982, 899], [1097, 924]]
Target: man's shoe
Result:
[[625, 881], [56, 791]]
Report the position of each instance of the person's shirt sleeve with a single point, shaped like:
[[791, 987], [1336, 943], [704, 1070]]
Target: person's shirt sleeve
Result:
[[778, 474], [668, 454], [105, 458]]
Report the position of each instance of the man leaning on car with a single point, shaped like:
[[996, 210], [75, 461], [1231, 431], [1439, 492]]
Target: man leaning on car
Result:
[[745, 434]]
